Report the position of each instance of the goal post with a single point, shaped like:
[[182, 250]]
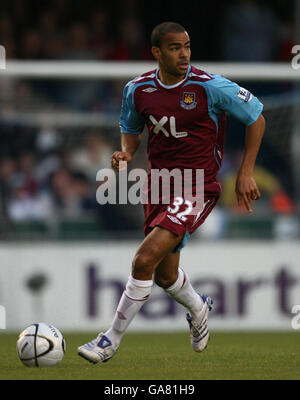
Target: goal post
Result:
[[128, 70]]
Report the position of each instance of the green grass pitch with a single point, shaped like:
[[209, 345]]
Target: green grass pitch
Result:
[[166, 356]]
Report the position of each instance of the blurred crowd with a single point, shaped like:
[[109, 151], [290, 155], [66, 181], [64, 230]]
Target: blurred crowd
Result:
[[243, 30], [42, 180], [61, 29]]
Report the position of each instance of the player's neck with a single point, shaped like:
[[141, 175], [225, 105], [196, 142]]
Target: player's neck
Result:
[[168, 79]]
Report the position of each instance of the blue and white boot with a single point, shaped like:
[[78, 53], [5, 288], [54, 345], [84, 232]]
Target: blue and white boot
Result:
[[99, 349], [199, 332]]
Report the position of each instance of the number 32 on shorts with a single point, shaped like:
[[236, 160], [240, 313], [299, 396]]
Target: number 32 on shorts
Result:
[[179, 201]]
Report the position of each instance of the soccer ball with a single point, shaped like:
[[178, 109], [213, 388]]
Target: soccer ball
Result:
[[41, 345]]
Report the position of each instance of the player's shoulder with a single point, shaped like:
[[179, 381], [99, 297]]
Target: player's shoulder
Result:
[[206, 78], [145, 77], [198, 75], [141, 80]]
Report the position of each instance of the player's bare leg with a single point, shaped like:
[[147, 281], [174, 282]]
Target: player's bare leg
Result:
[[156, 246], [166, 273], [176, 283], [153, 249], [151, 252]]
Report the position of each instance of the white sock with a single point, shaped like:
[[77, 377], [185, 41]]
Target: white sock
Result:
[[134, 296], [183, 292]]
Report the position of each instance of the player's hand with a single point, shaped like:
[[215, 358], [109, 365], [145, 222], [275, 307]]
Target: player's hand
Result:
[[246, 191], [120, 159]]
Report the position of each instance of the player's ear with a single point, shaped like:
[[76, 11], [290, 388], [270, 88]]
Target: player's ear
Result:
[[155, 52]]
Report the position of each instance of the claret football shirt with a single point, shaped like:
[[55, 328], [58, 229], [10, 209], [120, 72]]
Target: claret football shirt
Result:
[[186, 121]]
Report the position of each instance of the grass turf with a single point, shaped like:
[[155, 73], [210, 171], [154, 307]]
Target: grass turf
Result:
[[169, 356]]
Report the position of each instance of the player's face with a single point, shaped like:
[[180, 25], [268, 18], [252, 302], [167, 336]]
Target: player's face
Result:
[[174, 54]]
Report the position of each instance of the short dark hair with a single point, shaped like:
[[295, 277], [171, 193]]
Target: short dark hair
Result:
[[162, 29]]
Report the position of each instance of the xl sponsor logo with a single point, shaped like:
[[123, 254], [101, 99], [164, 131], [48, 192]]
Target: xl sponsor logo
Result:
[[159, 126]]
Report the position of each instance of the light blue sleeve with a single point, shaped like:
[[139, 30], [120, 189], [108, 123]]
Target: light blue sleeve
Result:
[[130, 120], [226, 95]]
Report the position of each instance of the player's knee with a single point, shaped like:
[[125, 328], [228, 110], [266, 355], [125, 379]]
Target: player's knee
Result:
[[143, 265]]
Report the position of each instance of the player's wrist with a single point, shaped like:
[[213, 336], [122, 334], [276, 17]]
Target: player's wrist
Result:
[[128, 154], [246, 169]]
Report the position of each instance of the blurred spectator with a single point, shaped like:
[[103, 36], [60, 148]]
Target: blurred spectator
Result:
[[7, 170], [86, 196], [78, 47], [94, 155], [31, 44], [22, 11], [281, 203], [6, 26], [130, 45], [52, 34], [8, 167], [47, 140], [101, 42], [65, 199], [19, 189], [47, 145], [113, 102], [287, 43], [48, 24], [250, 32], [27, 164], [24, 206]]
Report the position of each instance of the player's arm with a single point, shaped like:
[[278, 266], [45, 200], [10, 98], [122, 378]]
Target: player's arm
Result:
[[227, 96], [131, 125], [129, 144], [246, 189]]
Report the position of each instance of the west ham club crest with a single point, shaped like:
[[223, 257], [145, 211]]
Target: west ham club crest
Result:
[[188, 101]]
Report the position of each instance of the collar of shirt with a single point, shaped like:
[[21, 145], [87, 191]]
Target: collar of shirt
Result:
[[175, 84]]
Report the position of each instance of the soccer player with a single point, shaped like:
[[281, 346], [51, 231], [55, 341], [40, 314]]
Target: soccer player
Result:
[[184, 110]]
